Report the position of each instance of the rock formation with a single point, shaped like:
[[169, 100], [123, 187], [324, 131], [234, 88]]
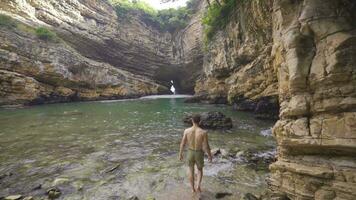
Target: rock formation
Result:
[[314, 53], [297, 56], [238, 66], [302, 51], [97, 54], [211, 120]]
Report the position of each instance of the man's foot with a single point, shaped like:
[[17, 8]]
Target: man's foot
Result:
[[198, 189], [193, 190]]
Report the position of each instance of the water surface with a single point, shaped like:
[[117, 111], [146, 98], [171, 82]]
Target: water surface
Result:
[[117, 149]]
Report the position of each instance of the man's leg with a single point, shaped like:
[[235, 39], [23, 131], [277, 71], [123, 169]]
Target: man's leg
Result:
[[200, 177], [191, 177]]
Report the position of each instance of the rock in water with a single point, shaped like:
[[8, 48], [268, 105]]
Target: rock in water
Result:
[[133, 198], [13, 197], [53, 193], [221, 195], [211, 120], [249, 196], [60, 181]]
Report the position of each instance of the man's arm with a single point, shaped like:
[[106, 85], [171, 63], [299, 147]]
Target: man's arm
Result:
[[207, 147], [182, 144]]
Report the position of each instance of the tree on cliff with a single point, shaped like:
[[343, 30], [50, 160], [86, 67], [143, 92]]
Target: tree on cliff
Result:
[[208, 1]]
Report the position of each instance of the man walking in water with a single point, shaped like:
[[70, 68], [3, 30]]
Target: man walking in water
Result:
[[197, 140]]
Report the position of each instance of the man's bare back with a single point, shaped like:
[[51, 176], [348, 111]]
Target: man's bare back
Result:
[[197, 141], [196, 138]]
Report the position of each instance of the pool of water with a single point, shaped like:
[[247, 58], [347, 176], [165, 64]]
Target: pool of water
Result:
[[118, 149]]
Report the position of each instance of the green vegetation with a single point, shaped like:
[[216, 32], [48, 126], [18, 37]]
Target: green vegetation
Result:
[[45, 34], [41, 32], [6, 21], [124, 6], [167, 20], [217, 17]]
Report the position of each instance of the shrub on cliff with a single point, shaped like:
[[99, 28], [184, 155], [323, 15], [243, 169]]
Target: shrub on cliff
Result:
[[45, 34], [217, 17], [6, 21], [124, 6], [167, 19]]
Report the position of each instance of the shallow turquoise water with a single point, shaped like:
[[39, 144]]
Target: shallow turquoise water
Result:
[[113, 150]]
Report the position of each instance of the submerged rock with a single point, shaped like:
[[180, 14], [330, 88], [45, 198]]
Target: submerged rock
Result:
[[211, 120], [13, 197], [133, 198], [259, 160], [60, 181], [114, 168], [53, 193], [249, 196], [221, 195], [5, 175]]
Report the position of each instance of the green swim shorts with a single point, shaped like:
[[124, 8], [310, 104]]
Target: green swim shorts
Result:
[[195, 157]]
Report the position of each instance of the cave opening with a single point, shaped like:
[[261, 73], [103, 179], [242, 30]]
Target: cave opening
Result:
[[175, 79], [173, 89]]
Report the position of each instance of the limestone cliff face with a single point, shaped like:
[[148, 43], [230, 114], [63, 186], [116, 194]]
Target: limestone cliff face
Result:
[[314, 53], [238, 66], [97, 55], [303, 52], [188, 50]]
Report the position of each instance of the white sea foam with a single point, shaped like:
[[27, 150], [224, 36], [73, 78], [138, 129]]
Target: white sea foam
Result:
[[267, 132]]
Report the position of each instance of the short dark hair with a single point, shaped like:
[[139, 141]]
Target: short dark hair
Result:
[[196, 118]]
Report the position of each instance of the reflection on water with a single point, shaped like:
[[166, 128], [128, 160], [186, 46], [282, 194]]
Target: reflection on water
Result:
[[113, 150]]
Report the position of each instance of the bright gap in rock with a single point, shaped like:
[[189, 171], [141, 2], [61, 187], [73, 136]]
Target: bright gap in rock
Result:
[[173, 89]]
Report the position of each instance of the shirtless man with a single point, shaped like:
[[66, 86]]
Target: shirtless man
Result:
[[197, 140]]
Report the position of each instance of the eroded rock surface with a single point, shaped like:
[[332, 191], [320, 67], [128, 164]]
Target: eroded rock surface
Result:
[[237, 65], [97, 54], [211, 120], [314, 53]]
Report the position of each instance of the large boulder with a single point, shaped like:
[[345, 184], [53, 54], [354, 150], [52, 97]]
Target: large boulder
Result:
[[211, 120]]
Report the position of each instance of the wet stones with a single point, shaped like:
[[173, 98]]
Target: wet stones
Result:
[[254, 158], [53, 193], [259, 160], [211, 120], [263, 108], [8, 174], [60, 181], [13, 197], [249, 196], [133, 198], [17, 197], [221, 195]]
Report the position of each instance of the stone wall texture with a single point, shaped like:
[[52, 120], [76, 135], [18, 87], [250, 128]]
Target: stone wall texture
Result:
[[97, 55], [295, 56], [238, 67], [314, 52]]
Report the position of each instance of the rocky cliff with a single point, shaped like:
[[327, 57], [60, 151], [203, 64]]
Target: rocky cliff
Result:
[[238, 66], [314, 53], [302, 55], [298, 55], [96, 54]]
